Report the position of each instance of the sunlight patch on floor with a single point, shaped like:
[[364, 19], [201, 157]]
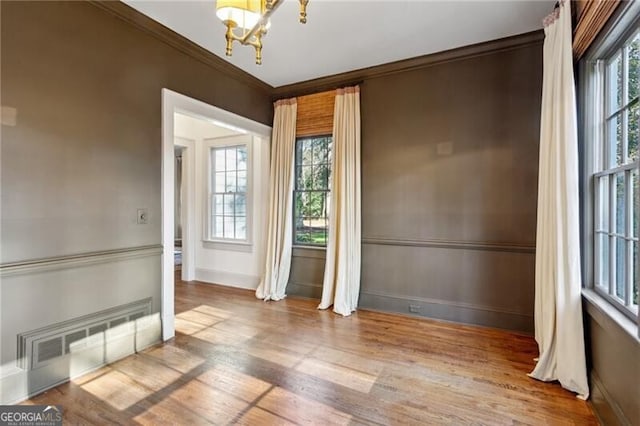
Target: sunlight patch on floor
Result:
[[258, 416], [273, 354], [219, 337], [117, 390], [149, 373], [197, 317], [176, 358], [301, 410], [352, 379], [214, 312], [213, 404], [349, 360], [235, 383], [188, 327]]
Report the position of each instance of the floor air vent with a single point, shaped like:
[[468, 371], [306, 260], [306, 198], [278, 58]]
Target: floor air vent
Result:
[[39, 347]]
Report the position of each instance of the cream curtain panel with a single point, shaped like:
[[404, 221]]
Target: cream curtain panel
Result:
[[558, 309], [278, 253], [341, 284]]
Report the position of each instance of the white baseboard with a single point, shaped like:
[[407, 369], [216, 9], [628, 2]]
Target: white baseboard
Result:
[[229, 279]]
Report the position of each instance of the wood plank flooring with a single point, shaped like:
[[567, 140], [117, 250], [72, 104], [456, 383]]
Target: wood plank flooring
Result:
[[239, 360]]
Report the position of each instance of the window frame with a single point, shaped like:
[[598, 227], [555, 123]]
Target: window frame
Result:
[[596, 115], [209, 240], [295, 191]]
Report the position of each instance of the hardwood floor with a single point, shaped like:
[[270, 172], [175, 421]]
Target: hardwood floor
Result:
[[236, 359]]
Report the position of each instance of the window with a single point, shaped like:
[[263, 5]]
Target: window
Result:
[[228, 193], [615, 177], [311, 191]]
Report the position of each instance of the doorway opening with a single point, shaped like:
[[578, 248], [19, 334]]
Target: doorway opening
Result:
[[178, 208], [189, 202]]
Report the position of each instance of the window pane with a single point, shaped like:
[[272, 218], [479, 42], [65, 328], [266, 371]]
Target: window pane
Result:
[[316, 206], [602, 209], [620, 204], [301, 202], [320, 151], [615, 83], [321, 177], [219, 182], [242, 158], [634, 67], [298, 182], [229, 204], [219, 160], [632, 131], [634, 298], [228, 227], [636, 202], [307, 152], [231, 159], [241, 227], [620, 263], [241, 205], [305, 178], [231, 182], [613, 144], [603, 261], [242, 182], [218, 204], [218, 227]]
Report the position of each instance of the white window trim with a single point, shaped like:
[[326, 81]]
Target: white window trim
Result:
[[208, 145], [622, 25]]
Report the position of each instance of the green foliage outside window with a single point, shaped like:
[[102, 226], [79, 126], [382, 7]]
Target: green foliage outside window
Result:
[[311, 193]]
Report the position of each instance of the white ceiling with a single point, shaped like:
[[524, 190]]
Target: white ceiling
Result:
[[344, 35], [190, 127]]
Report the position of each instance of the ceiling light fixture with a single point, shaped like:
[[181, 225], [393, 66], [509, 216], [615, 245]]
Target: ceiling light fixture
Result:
[[248, 20]]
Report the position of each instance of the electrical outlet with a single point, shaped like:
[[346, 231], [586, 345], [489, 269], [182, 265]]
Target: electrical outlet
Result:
[[414, 309], [143, 216]]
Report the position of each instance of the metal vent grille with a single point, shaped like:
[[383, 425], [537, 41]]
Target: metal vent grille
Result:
[[117, 322], [73, 337], [49, 349], [39, 347], [97, 329]]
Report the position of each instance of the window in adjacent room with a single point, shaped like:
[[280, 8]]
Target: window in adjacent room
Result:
[[228, 193], [311, 190], [615, 177]]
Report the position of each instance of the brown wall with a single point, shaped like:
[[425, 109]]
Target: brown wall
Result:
[[449, 172], [614, 370], [85, 153], [82, 157]]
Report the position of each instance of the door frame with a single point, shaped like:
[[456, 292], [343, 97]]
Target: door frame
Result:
[[187, 208], [175, 102]]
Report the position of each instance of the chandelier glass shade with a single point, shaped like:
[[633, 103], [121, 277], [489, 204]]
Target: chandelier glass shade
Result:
[[247, 21], [244, 14]]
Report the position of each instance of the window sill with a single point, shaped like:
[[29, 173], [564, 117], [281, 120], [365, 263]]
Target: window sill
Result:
[[239, 246], [608, 315], [313, 252]]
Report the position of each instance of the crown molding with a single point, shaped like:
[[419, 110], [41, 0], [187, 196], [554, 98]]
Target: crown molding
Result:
[[130, 15], [358, 76]]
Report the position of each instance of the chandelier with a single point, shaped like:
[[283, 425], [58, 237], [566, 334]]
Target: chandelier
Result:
[[247, 21]]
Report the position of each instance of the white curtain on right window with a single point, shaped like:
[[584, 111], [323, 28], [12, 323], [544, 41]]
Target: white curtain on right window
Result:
[[558, 304], [341, 286]]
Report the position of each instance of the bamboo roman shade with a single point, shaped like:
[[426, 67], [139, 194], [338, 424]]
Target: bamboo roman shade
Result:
[[315, 114], [592, 16]]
